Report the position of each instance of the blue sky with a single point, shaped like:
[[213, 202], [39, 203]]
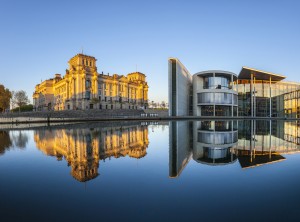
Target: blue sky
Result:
[[39, 37]]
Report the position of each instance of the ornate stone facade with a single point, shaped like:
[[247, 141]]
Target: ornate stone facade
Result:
[[83, 87]]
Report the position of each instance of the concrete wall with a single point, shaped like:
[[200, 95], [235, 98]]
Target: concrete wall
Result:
[[180, 84]]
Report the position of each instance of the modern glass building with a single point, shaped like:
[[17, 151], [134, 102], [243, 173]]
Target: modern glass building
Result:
[[252, 93], [215, 93], [265, 94]]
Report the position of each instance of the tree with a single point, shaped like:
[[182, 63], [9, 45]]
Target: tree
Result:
[[20, 98], [24, 108], [5, 96]]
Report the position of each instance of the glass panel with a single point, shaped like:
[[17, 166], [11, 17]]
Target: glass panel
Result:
[[205, 97], [207, 110], [219, 98], [217, 138], [223, 111]]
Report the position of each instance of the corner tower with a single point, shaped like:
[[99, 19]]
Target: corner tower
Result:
[[83, 80]]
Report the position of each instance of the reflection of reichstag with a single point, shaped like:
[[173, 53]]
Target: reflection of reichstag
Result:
[[216, 143], [82, 148]]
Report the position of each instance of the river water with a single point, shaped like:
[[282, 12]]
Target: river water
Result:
[[152, 171]]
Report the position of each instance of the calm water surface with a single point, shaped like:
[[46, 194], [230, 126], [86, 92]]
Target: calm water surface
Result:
[[133, 171]]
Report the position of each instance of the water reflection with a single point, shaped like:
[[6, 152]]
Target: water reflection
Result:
[[215, 142], [5, 142], [12, 139], [82, 148], [252, 143]]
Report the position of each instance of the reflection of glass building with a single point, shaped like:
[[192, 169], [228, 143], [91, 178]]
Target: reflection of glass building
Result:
[[262, 142], [254, 93], [83, 148], [251, 143], [215, 142]]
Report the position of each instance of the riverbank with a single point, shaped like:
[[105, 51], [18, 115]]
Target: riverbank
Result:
[[69, 116], [11, 120]]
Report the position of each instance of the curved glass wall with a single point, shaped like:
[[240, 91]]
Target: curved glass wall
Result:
[[217, 82], [205, 97], [218, 138], [216, 153], [220, 110], [219, 98], [218, 125]]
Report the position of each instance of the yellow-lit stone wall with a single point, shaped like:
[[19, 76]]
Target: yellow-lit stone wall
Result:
[[83, 87]]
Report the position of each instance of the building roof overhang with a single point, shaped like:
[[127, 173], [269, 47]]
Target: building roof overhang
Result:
[[246, 72]]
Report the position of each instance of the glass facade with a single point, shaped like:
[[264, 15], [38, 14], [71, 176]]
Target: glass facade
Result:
[[219, 81], [218, 98], [275, 98]]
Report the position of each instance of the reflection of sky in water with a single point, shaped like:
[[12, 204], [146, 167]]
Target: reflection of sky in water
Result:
[[39, 187]]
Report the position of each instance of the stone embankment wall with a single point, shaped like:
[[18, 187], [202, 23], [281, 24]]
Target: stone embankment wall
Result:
[[68, 115], [157, 112]]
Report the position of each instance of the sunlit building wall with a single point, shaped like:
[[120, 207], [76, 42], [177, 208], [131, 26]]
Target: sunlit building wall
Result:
[[82, 87], [292, 103]]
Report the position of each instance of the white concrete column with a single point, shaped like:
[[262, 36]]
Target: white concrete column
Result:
[[270, 132], [251, 94], [214, 76], [232, 96], [254, 98], [270, 97]]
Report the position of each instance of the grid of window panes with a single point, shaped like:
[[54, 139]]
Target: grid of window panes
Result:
[[282, 96]]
